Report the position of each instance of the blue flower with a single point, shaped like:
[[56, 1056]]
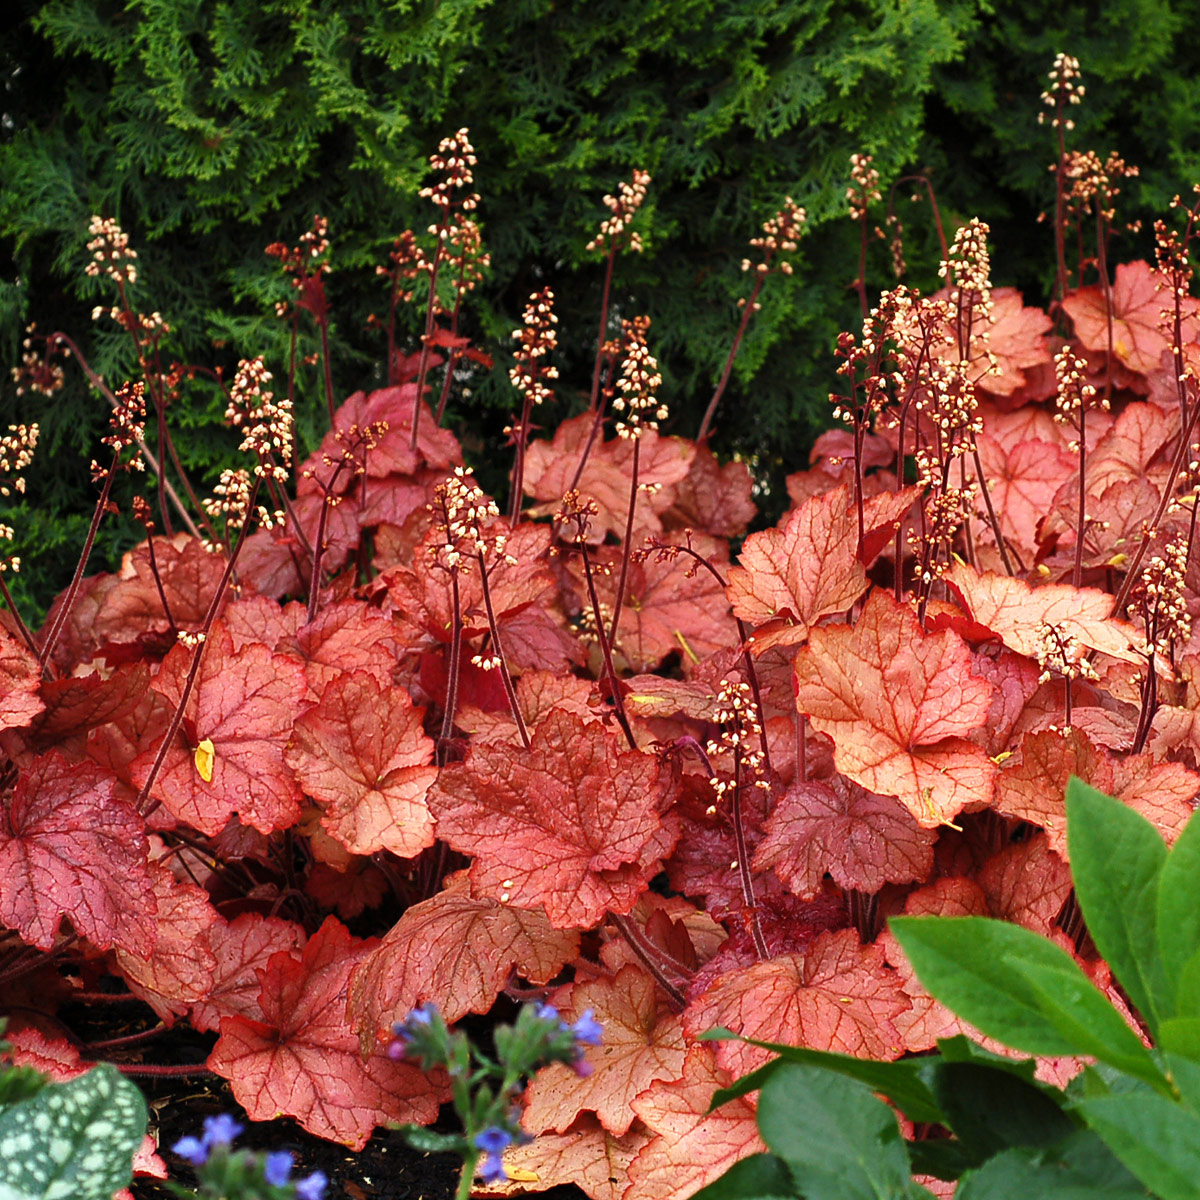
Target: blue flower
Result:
[[277, 1166], [420, 1016], [587, 1030], [546, 1012], [220, 1130], [491, 1170], [493, 1140], [191, 1150], [311, 1187]]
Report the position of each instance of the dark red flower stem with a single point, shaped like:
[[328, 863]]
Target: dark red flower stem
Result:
[[647, 952], [498, 646], [626, 547], [743, 863], [426, 338], [747, 312], [606, 651], [455, 664], [21, 626], [598, 366]]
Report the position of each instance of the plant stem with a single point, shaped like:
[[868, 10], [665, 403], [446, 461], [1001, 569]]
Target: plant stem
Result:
[[626, 547], [505, 676], [747, 312]]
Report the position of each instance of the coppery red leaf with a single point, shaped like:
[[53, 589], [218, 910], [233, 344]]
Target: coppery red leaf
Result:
[[575, 825], [302, 1060], [19, 679], [70, 847], [899, 704]]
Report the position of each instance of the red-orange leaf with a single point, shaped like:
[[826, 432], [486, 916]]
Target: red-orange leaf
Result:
[[643, 1041], [899, 704], [457, 952], [836, 995], [70, 847], [835, 826], [574, 825], [362, 753], [301, 1060], [19, 679]]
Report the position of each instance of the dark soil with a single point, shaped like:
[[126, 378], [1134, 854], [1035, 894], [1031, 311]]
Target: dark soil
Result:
[[386, 1168]]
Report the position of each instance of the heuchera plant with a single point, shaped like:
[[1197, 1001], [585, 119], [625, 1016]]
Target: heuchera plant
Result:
[[319, 754]]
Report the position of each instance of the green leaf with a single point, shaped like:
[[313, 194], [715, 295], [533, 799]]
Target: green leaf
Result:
[[900, 1082], [429, 1140], [990, 1110], [1185, 1074], [1116, 860], [1157, 1140], [74, 1139], [1187, 988], [943, 1158], [1178, 904], [971, 964], [1079, 1168], [839, 1140], [759, 1177], [1181, 1035]]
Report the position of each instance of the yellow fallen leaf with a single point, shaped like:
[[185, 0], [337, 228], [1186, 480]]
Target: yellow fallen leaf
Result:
[[205, 757]]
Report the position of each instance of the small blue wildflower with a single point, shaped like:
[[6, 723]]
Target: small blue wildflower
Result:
[[277, 1166], [491, 1170], [311, 1187], [493, 1140], [546, 1012], [220, 1130], [587, 1030], [192, 1150]]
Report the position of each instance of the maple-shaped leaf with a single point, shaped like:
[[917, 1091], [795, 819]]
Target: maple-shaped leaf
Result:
[[239, 949], [19, 679], [835, 826], [715, 499], [1137, 294], [691, 1146], [586, 1156], [79, 703], [347, 636], [1027, 883], [1022, 482], [1033, 784], [539, 693], [244, 702], [643, 1042], [663, 462], [575, 825], [669, 606], [899, 704], [1014, 612], [456, 951], [70, 847], [836, 995], [362, 753], [179, 969], [1016, 342], [1133, 448], [302, 1060], [789, 576]]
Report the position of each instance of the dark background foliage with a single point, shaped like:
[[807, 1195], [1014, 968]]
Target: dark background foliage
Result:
[[209, 128]]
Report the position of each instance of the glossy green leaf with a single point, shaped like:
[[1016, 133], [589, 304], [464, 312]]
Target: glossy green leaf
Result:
[[1157, 1140], [840, 1142], [1117, 857], [1185, 1074], [1182, 1036], [759, 1177], [1178, 903]]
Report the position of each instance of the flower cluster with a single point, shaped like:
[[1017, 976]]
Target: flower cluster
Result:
[[1063, 90], [454, 159], [304, 266], [460, 511], [1060, 652], [780, 236], [638, 383], [864, 186], [1073, 394], [485, 1097], [243, 1176], [740, 739], [127, 427], [37, 371], [615, 233], [1160, 601], [16, 453], [536, 338], [111, 254], [265, 423]]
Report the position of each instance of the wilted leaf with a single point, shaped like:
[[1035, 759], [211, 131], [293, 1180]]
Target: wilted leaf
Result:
[[899, 704]]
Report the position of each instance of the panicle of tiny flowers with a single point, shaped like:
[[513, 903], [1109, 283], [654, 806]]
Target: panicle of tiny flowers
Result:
[[864, 186], [1159, 599], [536, 338], [127, 427], [408, 263], [968, 268], [230, 501], [614, 229], [305, 263], [1073, 394], [638, 383], [454, 159], [1095, 180], [780, 236], [110, 251], [9, 562], [466, 259], [461, 511], [1060, 652], [1063, 91], [740, 741], [16, 453], [37, 371], [265, 423]]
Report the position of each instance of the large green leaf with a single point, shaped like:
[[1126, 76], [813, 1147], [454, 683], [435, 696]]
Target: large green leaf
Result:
[[840, 1142], [1117, 857], [1157, 1140], [1178, 903], [759, 1177]]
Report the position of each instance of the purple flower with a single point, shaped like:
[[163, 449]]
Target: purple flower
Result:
[[311, 1187], [191, 1150], [423, 1014], [277, 1166], [220, 1130], [491, 1170], [587, 1030], [546, 1012]]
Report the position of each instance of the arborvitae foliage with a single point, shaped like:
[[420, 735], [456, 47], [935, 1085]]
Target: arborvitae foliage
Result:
[[212, 129]]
